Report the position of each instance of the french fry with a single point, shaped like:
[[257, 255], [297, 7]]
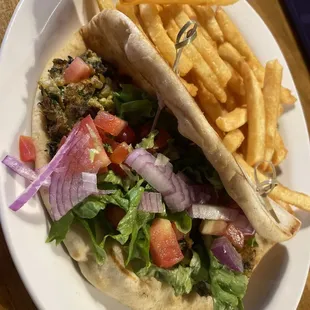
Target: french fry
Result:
[[232, 120], [280, 151], [285, 206], [206, 18], [233, 35], [280, 192], [230, 103], [233, 140], [191, 88], [192, 15], [130, 11], [228, 53], [256, 115], [105, 4], [154, 27], [235, 84], [200, 67], [193, 2], [271, 92], [203, 46], [287, 97]]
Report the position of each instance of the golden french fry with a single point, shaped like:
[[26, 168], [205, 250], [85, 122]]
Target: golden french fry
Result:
[[285, 206], [233, 35], [280, 110], [191, 88], [256, 115], [192, 15], [287, 97], [232, 120], [203, 46], [271, 92], [280, 151], [230, 103], [228, 53], [154, 27], [200, 67], [235, 84], [233, 140], [105, 4], [193, 2], [206, 18], [280, 192], [130, 11]]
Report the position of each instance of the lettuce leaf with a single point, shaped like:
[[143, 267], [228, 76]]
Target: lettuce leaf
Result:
[[228, 288], [148, 142], [182, 221]]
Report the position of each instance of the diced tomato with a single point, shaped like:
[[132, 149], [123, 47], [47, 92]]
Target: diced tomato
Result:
[[161, 140], [235, 236], [103, 170], [114, 214], [77, 71], [27, 150], [127, 135], [178, 234], [145, 130], [117, 170], [120, 153], [164, 246], [109, 123], [97, 154]]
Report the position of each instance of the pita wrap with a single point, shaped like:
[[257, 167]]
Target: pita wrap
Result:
[[115, 38]]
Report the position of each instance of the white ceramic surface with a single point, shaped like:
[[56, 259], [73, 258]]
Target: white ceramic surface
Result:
[[38, 28]]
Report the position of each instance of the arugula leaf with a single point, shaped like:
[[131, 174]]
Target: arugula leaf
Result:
[[59, 229], [99, 251], [228, 288], [89, 207], [181, 278], [148, 142]]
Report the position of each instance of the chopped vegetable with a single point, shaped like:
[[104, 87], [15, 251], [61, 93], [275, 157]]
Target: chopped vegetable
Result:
[[235, 236], [227, 255], [164, 246], [243, 225], [77, 71], [209, 212], [127, 135], [120, 153], [109, 123], [213, 228], [178, 233], [27, 150], [151, 202]]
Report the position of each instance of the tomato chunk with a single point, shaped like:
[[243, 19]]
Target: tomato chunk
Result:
[[27, 150], [235, 236], [127, 135], [161, 140], [114, 214], [120, 153], [164, 246], [77, 71], [178, 234], [109, 123], [97, 154], [117, 170]]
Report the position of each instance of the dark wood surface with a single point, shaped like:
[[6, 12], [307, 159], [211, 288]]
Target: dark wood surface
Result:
[[13, 294]]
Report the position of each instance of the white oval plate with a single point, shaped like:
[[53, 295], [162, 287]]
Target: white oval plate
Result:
[[38, 28]]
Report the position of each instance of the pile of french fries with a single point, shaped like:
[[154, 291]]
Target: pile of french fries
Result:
[[240, 98]]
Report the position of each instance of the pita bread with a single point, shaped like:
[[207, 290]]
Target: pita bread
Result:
[[115, 38]]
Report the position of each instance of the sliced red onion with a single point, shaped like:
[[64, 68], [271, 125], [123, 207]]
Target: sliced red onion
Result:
[[22, 169], [209, 212], [151, 202], [33, 188], [226, 254], [183, 177], [89, 181], [243, 224]]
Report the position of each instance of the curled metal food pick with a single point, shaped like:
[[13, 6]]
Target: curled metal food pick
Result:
[[191, 35], [266, 187]]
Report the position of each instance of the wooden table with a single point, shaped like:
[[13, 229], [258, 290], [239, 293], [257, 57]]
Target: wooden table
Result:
[[13, 294]]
